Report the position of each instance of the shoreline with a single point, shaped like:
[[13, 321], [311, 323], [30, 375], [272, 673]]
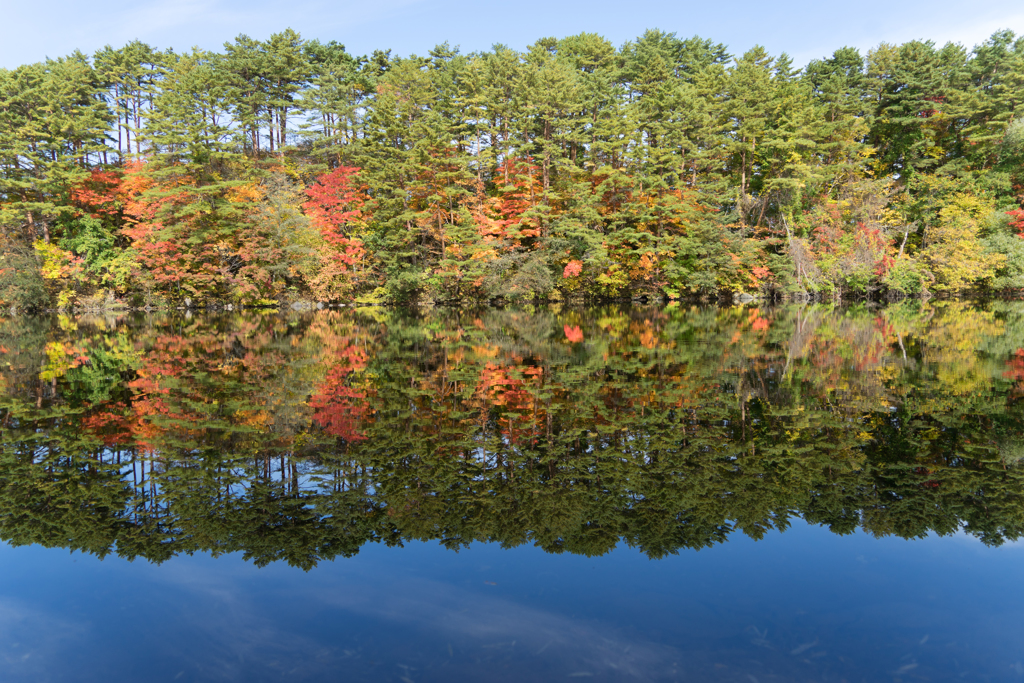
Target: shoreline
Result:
[[726, 299]]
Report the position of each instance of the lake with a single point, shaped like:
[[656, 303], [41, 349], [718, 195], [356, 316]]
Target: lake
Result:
[[552, 493]]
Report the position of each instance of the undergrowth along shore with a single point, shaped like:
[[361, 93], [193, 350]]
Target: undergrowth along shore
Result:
[[306, 305]]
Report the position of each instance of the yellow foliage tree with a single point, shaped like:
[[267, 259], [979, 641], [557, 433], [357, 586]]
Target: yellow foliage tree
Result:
[[953, 250]]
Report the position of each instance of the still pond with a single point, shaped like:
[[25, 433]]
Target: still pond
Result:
[[748, 494]]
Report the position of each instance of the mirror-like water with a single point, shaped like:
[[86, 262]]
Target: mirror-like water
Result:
[[269, 496]]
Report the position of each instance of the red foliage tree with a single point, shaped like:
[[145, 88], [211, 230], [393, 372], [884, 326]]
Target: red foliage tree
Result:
[[99, 194], [337, 204], [175, 258], [1017, 222]]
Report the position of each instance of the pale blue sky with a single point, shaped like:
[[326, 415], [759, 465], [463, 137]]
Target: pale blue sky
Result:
[[33, 30]]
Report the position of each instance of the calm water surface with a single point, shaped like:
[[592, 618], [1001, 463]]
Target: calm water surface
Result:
[[695, 494]]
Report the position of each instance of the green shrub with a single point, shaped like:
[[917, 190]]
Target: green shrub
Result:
[[905, 277], [21, 282], [1010, 275]]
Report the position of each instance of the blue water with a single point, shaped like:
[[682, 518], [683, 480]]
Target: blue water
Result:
[[803, 605], [311, 438]]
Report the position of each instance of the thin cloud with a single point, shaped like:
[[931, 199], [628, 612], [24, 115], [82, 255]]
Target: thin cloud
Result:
[[31, 638], [435, 610]]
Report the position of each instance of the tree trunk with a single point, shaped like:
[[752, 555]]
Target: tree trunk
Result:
[[547, 154]]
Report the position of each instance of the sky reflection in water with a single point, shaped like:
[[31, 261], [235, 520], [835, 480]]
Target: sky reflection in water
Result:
[[798, 606]]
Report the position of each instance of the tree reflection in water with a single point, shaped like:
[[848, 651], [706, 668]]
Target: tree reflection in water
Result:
[[301, 438]]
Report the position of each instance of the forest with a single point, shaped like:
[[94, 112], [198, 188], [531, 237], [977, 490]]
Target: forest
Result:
[[301, 438], [288, 170]]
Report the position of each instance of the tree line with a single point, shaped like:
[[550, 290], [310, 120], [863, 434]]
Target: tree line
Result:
[[288, 169], [303, 438]]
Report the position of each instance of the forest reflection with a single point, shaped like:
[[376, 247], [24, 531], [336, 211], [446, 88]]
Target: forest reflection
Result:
[[301, 438]]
